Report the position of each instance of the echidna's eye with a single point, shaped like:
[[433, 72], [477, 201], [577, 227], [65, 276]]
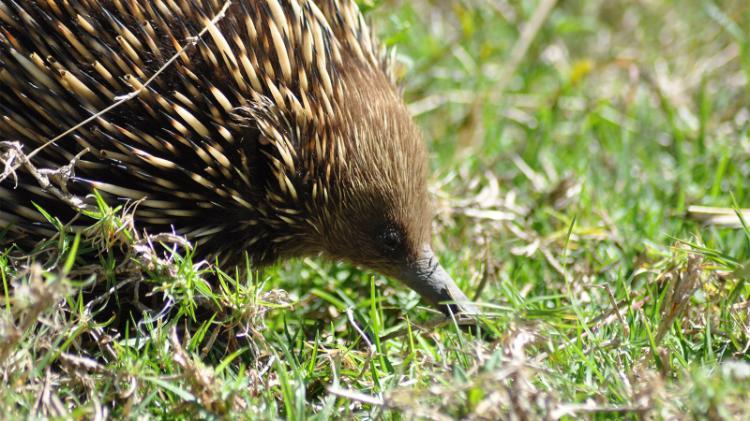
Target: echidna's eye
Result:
[[391, 240]]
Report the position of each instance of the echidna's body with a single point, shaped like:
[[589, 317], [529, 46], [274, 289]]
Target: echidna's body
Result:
[[278, 133]]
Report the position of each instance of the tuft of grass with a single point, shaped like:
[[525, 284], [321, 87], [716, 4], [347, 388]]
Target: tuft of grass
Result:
[[589, 181]]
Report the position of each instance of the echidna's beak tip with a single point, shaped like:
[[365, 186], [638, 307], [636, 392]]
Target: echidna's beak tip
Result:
[[436, 286]]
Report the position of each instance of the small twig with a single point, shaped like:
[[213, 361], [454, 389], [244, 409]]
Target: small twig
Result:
[[81, 363], [15, 158], [613, 301], [485, 274]]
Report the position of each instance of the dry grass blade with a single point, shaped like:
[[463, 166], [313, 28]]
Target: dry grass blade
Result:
[[572, 410], [528, 34], [355, 396], [681, 282], [721, 217]]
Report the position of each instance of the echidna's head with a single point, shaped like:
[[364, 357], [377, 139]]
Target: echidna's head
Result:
[[377, 214], [345, 167]]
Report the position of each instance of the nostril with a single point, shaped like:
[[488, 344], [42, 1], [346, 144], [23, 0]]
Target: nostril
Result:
[[451, 310]]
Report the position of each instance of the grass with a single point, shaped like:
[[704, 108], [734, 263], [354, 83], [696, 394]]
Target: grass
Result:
[[564, 173]]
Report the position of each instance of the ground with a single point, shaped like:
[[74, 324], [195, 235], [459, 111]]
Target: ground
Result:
[[571, 145]]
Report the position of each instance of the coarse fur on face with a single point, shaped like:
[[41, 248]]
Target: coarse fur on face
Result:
[[379, 216], [364, 189]]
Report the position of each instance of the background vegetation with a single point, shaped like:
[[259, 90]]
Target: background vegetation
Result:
[[570, 140]]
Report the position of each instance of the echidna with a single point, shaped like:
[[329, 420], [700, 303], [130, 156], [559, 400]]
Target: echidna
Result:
[[271, 127]]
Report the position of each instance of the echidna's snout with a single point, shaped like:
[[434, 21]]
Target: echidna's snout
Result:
[[426, 276]]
